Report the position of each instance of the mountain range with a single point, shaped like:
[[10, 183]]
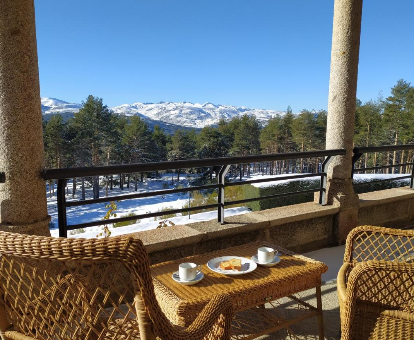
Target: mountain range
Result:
[[168, 115]]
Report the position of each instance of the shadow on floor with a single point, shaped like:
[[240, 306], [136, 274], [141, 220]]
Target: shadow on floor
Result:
[[308, 329]]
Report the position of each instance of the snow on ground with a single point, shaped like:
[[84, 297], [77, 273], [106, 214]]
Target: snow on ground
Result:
[[278, 182], [357, 178], [150, 223], [376, 177], [138, 206]]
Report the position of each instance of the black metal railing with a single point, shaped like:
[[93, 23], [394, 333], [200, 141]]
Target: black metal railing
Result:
[[358, 152], [62, 175]]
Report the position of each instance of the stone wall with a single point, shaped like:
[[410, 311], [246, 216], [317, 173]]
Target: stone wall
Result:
[[300, 228], [392, 208]]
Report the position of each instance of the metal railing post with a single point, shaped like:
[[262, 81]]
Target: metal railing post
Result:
[[61, 202], [324, 180], [222, 174], [412, 176]]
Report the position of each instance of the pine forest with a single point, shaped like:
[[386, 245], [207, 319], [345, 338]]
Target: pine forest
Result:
[[95, 136]]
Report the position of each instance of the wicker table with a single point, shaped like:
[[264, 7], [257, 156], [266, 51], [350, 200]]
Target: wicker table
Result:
[[293, 274]]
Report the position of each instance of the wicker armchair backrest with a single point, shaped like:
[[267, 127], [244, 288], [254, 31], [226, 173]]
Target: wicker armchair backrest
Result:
[[376, 243], [55, 288]]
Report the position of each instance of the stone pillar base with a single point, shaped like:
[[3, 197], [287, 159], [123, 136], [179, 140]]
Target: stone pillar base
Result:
[[340, 192], [38, 228], [346, 221]]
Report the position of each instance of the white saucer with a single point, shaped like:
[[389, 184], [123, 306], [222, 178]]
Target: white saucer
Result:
[[198, 278], [275, 261]]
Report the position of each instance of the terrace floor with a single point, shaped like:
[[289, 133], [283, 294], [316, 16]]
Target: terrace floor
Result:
[[308, 330]]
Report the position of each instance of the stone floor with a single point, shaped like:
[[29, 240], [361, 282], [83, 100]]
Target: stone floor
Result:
[[308, 329]]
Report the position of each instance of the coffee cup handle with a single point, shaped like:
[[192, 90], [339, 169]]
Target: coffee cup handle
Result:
[[199, 268]]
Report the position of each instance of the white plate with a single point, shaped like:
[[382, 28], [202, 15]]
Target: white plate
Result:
[[247, 266], [275, 261], [198, 278]]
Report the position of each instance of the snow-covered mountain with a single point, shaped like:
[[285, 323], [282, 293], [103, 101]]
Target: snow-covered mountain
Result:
[[53, 106], [191, 115], [167, 113]]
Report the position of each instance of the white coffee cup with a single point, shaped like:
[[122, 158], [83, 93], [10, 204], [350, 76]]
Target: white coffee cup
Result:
[[188, 271], [265, 254]]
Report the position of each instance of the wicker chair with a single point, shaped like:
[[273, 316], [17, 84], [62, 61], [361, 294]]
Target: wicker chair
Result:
[[53, 288], [376, 284]]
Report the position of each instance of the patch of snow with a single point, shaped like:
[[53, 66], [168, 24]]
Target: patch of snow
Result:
[[278, 182], [57, 106], [376, 177], [137, 206], [357, 177], [149, 223]]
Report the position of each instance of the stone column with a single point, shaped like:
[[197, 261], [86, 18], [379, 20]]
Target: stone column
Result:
[[341, 110], [23, 205]]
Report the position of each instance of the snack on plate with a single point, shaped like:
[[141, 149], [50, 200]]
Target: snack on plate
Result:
[[231, 264], [236, 264], [225, 265]]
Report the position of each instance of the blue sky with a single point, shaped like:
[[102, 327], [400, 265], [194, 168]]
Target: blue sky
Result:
[[263, 54]]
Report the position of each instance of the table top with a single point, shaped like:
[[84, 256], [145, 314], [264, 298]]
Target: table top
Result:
[[294, 273]]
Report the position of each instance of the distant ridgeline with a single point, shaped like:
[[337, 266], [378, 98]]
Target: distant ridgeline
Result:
[[67, 111], [169, 116]]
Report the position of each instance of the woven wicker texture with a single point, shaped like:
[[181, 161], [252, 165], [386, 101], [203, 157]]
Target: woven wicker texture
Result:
[[293, 274], [376, 284], [89, 289]]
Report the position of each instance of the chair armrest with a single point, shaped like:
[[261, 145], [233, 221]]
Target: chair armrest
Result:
[[13, 335], [381, 284], [399, 315], [341, 282]]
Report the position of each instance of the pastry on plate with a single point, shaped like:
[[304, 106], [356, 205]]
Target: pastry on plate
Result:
[[233, 264]]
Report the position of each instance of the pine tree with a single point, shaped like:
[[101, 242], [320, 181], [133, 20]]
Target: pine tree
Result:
[[320, 130], [270, 135], [54, 132], [137, 140], [287, 126], [160, 139], [246, 140], [398, 111], [368, 127], [398, 115], [246, 136], [182, 147], [303, 132], [270, 140], [286, 138], [211, 143], [93, 125], [227, 129]]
